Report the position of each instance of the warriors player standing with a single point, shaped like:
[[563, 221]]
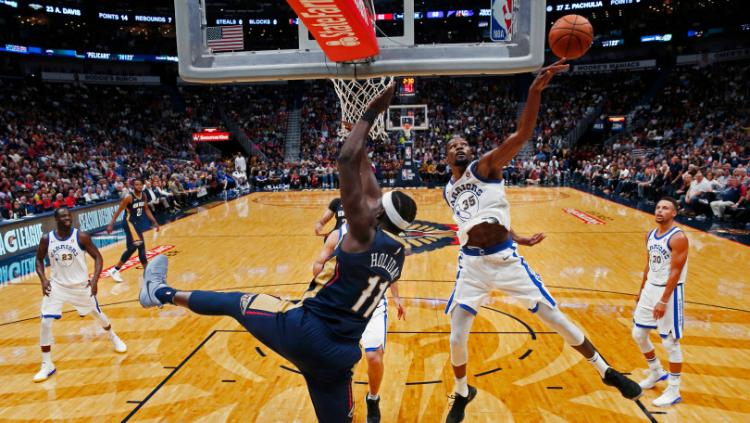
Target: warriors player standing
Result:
[[68, 283], [660, 300]]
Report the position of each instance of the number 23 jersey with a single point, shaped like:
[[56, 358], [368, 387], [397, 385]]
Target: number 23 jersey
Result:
[[350, 286]]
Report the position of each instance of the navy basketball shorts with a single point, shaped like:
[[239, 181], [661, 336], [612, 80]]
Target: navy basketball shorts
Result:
[[325, 360]]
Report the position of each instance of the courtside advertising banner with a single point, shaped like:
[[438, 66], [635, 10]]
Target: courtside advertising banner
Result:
[[22, 236]]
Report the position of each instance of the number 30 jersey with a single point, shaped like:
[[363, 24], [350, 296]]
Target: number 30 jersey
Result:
[[660, 258], [476, 200], [351, 285]]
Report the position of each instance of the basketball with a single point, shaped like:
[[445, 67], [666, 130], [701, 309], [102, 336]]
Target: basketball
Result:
[[571, 36]]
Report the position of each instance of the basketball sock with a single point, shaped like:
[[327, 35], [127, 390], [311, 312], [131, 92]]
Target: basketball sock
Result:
[[462, 386], [165, 294], [47, 357], [372, 397], [598, 362], [654, 364], [674, 379]]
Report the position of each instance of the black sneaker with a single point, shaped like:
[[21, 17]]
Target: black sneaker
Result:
[[628, 388], [459, 405], [373, 409]]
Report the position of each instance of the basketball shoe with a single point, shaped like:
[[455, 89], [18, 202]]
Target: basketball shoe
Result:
[[627, 387], [154, 277], [670, 396], [115, 274], [47, 370], [653, 377], [120, 346], [373, 409], [456, 414]]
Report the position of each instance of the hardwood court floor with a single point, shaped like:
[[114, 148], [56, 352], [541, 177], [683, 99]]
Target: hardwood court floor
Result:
[[180, 367]]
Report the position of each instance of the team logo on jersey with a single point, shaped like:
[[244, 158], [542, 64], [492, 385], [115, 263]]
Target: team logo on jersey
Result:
[[423, 236]]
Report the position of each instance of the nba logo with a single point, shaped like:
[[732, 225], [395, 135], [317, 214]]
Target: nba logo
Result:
[[501, 23]]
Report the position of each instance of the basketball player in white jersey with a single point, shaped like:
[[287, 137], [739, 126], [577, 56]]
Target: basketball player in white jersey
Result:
[[373, 338], [660, 300], [68, 283], [488, 259]]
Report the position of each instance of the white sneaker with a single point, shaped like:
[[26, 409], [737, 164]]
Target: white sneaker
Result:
[[47, 370], [670, 396], [653, 377], [120, 346], [115, 274]]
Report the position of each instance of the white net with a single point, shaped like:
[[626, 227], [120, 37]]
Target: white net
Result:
[[354, 96]]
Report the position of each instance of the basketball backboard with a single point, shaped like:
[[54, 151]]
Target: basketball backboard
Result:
[[432, 37]]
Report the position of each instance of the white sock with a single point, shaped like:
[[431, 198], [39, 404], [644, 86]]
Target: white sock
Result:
[[654, 365], [462, 386], [674, 379], [372, 397], [47, 357], [111, 333], [598, 362]]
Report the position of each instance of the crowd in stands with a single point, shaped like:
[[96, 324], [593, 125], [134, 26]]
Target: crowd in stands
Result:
[[76, 145], [690, 142]]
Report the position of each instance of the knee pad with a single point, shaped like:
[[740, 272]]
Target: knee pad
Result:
[[556, 320], [640, 335], [672, 346], [45, 335]]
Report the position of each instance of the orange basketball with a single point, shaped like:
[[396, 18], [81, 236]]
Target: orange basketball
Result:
[[571, 36]]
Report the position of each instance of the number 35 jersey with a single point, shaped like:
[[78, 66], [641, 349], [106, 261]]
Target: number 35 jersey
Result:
[[351, 285], [476, 200]]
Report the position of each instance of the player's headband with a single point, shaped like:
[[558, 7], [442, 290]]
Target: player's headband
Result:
[[392, 213]]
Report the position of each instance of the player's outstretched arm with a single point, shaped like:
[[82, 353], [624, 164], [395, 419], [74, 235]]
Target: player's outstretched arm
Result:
[[321, 223], [492, 163], [326, 252], [370, 184], [353, 191], [123, 205], [41, 253]]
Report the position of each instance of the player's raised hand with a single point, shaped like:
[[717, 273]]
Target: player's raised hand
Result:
[[380, 103], [546, 73]]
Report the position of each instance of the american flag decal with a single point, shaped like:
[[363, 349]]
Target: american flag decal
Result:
[[225, 38]]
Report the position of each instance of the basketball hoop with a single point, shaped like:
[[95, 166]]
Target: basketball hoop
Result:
[[354, 96], [407, 130]]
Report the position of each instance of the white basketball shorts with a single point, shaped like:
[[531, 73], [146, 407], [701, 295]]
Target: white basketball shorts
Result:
[[373, 338], [78, 296], [672, 321], [499, 268]]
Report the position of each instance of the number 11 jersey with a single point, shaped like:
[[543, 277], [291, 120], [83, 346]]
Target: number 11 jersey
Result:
[[351, 285]]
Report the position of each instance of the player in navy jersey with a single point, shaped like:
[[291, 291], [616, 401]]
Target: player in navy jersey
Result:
[[320, 333], [335, 210], [137, 217]]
